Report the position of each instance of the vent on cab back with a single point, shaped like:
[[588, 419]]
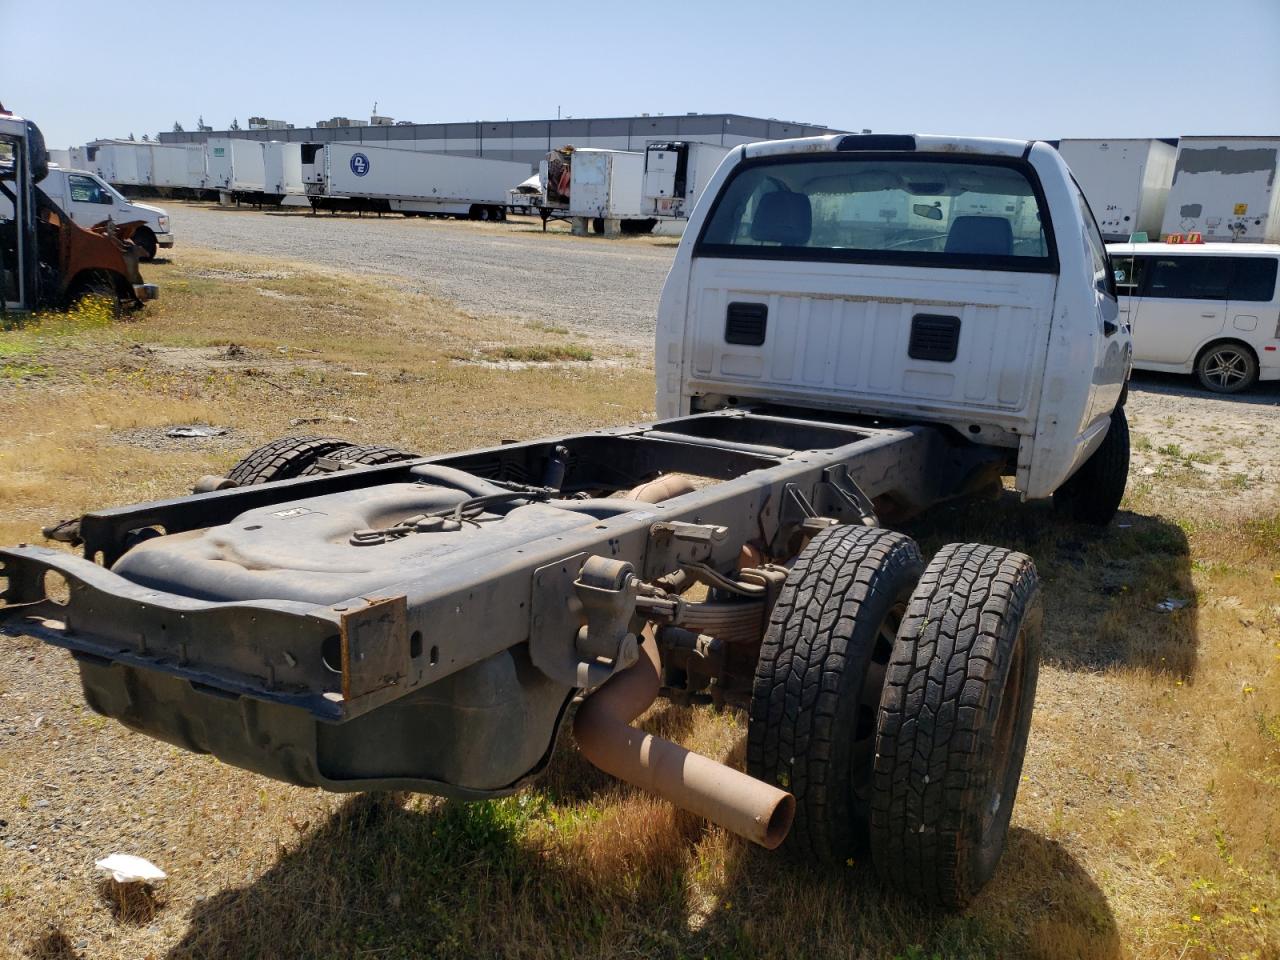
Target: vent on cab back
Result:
[[934, 337], [744, 324]]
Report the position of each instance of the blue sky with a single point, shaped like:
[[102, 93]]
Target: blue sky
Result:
[[1020, 68]]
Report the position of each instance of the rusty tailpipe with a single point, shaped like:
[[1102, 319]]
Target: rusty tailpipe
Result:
[[741, 804]]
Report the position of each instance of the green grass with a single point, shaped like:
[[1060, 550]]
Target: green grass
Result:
[[537, 353], [24, 371]]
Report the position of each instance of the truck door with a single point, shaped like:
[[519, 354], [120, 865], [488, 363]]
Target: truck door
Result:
[[1113, 351], [1183, 304], [87, 201]]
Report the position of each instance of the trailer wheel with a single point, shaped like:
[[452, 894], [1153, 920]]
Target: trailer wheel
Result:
[[953, 723], [366, 454], [1093, 493], [282, 459], [818, 681]]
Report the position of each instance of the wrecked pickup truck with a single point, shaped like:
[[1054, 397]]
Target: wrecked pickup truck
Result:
[[356, 617], [47, 260]]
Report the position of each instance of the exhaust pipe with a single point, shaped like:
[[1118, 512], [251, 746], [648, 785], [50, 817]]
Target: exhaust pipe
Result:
[[741, 804], [663, 488]]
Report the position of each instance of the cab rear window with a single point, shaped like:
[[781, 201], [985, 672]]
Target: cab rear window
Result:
[[909, 210]]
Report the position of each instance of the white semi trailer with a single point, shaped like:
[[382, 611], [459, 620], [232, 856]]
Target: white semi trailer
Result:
[[136, 167], [594, 189], [1125, 181], [675, 174], [121, 163], [178, 166], [1225, 189], [282, 171], [348, 176], [235, 167]]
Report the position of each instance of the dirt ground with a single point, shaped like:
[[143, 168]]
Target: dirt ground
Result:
[[604, 288], [1147, 823]]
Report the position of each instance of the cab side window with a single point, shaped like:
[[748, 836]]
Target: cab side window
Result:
[[1102, 277], [1189, 278], [1254, 279], [1128, 273], [85, 190]]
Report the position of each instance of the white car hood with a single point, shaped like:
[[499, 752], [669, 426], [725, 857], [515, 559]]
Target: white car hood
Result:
[[158, 211]]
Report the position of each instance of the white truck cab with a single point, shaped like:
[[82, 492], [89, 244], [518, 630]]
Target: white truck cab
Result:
[[952, 281], [89, 200]]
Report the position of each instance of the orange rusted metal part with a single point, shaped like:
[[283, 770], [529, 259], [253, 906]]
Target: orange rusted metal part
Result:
[[123, 231], [741, 804], [750, 557], [81, 253]]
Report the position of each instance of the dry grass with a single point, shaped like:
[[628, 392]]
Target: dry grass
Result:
[[1148, 824]]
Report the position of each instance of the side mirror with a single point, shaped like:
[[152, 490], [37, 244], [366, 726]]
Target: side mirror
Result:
[[39, 155]]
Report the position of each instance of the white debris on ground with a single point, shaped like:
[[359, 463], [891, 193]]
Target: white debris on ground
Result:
[[126, 868]]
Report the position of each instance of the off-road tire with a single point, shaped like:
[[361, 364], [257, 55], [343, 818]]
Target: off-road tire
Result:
[[1093, 493], [818, 681], [366, 454], [953, 723], [1227, 368], [282, 459]]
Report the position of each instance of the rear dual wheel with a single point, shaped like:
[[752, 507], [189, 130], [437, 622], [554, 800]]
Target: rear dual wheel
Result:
[[894, 701], [955, 713]]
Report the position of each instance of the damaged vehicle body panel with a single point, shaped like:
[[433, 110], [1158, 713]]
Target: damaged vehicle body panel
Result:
[[47, 260]]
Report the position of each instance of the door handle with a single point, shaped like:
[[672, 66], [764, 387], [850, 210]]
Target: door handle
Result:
[[1208, 316]]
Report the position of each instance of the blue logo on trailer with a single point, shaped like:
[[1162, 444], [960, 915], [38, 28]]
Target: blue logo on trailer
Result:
[[359, 164]]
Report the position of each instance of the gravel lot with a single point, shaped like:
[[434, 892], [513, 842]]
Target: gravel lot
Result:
[[604, 288]]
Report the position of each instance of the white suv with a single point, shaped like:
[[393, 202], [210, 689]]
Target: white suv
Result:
[[1212, 309], [929, 279]]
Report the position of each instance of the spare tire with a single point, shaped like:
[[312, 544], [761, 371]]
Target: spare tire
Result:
[[282, 459], [365, 454]]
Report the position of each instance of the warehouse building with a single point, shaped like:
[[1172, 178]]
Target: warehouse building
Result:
[[530, 140]]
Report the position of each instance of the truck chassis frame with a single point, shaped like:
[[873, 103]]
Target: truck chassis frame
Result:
[[272, 684]]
